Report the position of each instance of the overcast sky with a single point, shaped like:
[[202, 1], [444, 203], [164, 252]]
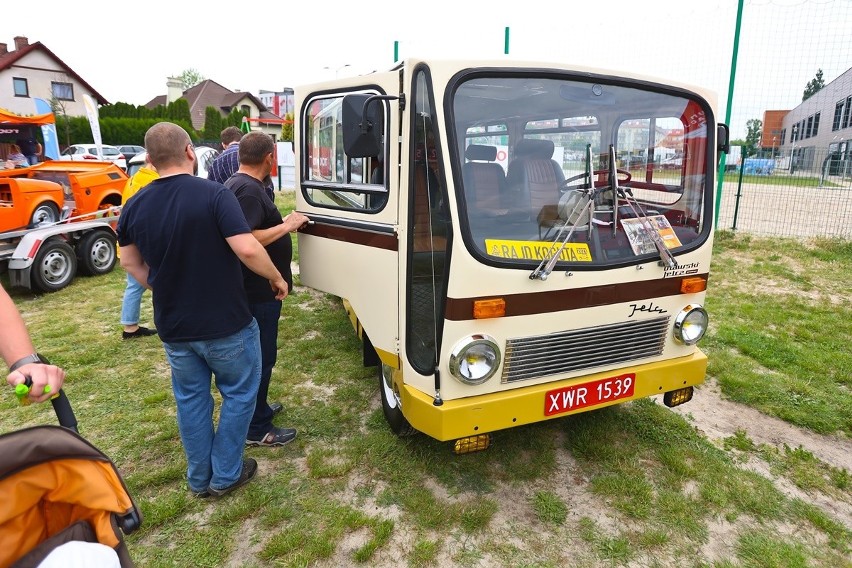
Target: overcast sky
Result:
[[287, 44]]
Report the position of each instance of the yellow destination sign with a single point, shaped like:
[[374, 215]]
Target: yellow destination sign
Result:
[[537, 250]]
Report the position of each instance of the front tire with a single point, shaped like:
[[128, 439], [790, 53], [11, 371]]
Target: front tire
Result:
[[96, 253], [390, 404], [46, 212], [54, 266]]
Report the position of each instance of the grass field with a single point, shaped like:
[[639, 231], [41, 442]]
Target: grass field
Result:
[[631, 485]]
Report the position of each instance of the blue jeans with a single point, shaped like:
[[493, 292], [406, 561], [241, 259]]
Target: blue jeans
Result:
[[266, 314], [32, 159], [131, 302], [215, 456]]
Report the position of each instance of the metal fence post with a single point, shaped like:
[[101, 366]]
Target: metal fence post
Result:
[[739, 194]]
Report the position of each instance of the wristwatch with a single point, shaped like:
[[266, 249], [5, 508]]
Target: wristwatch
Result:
[[33, 358]]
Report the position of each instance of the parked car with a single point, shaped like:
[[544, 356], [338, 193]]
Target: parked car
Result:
[[130, 150], [78, 152], [87, 187], [26, 203], [205, 156]]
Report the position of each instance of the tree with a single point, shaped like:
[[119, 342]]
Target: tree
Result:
[[814, 85], [234, 118], [212, 124], [287, 128], [178, 111], [191, 77], [57, 107], [752, 141]]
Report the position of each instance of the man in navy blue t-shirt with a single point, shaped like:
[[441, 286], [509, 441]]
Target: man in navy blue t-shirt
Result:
[[184, 238], [257, 154]]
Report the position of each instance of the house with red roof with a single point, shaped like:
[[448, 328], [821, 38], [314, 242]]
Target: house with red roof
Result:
[[209, 93], [31, 71]]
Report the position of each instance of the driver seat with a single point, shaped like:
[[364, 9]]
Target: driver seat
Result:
[[534, 177], [484, 179]]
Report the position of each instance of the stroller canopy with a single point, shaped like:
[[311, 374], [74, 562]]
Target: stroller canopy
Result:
[[50, 479]]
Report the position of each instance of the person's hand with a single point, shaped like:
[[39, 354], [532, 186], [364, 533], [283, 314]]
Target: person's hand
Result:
[[41, 376], [297, 220], [279, 286]]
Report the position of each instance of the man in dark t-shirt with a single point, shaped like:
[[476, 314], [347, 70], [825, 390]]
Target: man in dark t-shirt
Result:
[[256, 153], [184, 238]]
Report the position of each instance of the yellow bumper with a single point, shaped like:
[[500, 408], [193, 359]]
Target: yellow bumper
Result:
[[526, 405]]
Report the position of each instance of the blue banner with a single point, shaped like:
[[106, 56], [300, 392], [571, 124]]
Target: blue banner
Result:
[[48, 131]]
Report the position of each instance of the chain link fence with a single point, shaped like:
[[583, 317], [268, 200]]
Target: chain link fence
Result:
[[814, 201], [793, 73], [795, 155]]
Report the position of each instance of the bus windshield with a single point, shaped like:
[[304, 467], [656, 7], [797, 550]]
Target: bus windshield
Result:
[[593, 173]]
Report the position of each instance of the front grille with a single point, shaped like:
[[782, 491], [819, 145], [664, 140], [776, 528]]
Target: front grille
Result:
[[579, 349]]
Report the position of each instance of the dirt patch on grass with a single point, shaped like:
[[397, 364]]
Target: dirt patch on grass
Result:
[[513, 523], [718, 418]]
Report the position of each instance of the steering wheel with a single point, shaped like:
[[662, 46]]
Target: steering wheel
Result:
[[623, 177]]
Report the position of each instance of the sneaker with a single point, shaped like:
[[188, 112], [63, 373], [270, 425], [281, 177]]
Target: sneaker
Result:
[[275, 437], [276, 408], [246, 475], [200, 494], [141, 332]]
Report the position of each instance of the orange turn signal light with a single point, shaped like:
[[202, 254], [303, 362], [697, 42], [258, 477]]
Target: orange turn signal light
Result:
[[472, 444], [676, 397], [491, 308], [693, 285]]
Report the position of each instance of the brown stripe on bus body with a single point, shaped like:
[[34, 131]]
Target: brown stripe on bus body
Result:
[[351, 235], [460, 309]]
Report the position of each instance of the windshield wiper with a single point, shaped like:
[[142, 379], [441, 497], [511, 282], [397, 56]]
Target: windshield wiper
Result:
[[584, 208], [665, 254]]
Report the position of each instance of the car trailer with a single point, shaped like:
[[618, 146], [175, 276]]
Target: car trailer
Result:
[[47, 258]]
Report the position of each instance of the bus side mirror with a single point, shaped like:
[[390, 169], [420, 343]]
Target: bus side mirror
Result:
[[723, 138], [363, 125]]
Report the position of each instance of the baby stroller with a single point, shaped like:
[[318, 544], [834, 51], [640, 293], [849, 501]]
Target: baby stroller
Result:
[[56, 487]]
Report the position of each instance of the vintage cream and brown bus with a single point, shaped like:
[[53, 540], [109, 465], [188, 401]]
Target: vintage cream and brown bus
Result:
[[513, 241]]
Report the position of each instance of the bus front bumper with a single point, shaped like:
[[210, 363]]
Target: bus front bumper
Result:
[[482, 414]]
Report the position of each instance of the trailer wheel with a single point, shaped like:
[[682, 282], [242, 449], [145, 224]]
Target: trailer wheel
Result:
[[54, 267], [96, 253], [47, 212], [390, 404]]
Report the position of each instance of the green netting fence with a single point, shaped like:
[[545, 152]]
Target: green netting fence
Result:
[[791, 107], [792, 173]]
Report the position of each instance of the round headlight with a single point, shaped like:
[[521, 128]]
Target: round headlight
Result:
[[475, 359], [690, 324]]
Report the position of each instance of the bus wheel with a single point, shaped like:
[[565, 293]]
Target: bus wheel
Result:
[[390, 404], [54, 266], [96, 253]]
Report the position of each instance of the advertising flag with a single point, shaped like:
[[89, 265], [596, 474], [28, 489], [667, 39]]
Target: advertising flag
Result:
[[92, 113], [48, 131]]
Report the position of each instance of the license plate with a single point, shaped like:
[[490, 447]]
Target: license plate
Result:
[[571, 398]]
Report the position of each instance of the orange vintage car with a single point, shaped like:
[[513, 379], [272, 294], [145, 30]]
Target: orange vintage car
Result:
[[87, 187], [26, 203]]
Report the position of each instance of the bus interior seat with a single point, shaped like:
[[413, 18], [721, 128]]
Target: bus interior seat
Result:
[[378, 174], [534, 177], [484, 179]]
